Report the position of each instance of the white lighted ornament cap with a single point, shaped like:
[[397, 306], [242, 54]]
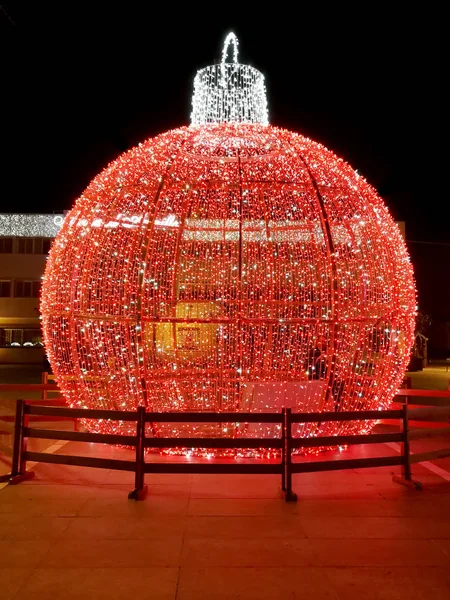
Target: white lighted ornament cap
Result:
[[229, 92]]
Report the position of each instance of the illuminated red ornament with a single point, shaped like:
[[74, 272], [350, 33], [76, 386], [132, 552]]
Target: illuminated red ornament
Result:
[[229, 266]]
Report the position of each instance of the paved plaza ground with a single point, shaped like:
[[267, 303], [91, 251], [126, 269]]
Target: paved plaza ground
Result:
[[71, 533]]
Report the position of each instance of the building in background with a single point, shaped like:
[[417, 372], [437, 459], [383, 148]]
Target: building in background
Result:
[[25, 241]]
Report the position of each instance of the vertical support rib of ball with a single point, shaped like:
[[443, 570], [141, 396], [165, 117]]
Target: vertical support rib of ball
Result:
[[240, 290], [329, 244], [175, 273], [140, 489], [139, 333]]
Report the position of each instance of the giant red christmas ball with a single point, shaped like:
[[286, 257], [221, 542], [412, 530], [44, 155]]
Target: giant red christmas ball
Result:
[[229, 267]]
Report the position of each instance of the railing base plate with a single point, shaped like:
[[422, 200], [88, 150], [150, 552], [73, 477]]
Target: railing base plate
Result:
[[22, 477], [138, 493], [290, 496], [415, 485]]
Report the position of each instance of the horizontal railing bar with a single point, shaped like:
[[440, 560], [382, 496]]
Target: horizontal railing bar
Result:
[[210, 417], [353, 463], [213, 443], [81, 461], [423, 393], [420, 433], [355, 415], [206, 417], [6, 450], [81, 413], [435, 413], [229, 469], [346, 440], [413, 402], [80, 436], [433, 455]]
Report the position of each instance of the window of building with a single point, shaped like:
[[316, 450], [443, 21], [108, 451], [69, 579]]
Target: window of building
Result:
[[20, 337], [25, 245], [46, 244], [26, 289], [5, 288], [41, 245], [6, 245]]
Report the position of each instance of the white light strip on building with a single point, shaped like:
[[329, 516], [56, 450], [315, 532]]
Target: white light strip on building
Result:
[[29, 225]]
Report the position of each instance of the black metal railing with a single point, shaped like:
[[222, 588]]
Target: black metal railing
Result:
[[285, 444]]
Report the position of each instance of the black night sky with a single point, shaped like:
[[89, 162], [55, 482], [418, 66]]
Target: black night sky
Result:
[[83, 82]]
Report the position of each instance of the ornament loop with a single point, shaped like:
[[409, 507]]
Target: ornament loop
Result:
[[230, 39]]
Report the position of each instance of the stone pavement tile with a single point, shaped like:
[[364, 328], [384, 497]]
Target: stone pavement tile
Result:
[[11, 579], [406, 492], [349, 477], [233, 489], [12, 518], [379, 553], [119, 478], [31, 488], [267, 552], [420, 504], [114, 553], [444, 545], [46, 473], [136, 527], [236, 480], [385, 480], [375, 527], [243, 506], [223, 583], [34, 528], [393, 583], [362, 491], [167, 505], [442, 487], [121, 506], [417, 506], [166, 479], [340, 507], [167, 489], [23, 553], [253, 527], [43, 507], [100, 584]]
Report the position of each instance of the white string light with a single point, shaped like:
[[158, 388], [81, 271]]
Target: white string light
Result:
[[29, 225], [229, 92]]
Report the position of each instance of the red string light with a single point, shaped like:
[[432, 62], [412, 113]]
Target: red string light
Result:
[[229, 267]]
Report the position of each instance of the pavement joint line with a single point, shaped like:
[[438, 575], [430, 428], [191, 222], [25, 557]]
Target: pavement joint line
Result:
[[427, 464]]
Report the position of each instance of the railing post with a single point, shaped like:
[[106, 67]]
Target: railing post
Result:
[[289, 495], [283, 450], [140, 490], [18, 424], [406, 471], [19, 465], [406, 478]]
